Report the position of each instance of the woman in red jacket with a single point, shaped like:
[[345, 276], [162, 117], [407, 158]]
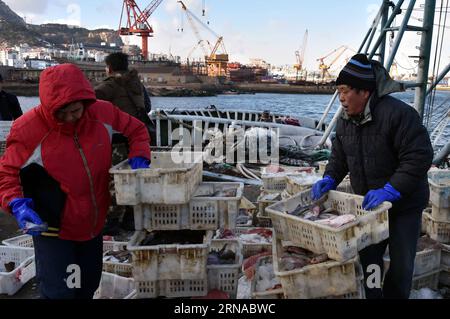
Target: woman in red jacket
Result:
[[66, 139]]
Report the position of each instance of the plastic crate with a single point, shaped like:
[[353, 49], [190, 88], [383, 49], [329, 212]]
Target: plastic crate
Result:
[[264, 221], [296, 183], [201, 213], [322, 167], [327, 279], [426, 261], [166, 182], [115, 287], [225, 277], [370, 227], [120, 269], [171, 288], [360, 292], [429, 280], [439, 231], [251, 249], [440, 214], [23, 258], [439, 188], [277, 182], [444, 276], [168, 262], [265, 199], [19, 241], [445, 255], [271, 294]]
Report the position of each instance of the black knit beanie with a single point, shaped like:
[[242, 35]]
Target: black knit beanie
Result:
[[358, 74]]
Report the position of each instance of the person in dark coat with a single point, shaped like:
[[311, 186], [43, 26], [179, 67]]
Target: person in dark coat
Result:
[[382, 143], [9, 105]]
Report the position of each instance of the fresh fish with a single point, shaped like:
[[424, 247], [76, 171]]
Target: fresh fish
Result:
[[289, 263], [319, 259], [10, 266]]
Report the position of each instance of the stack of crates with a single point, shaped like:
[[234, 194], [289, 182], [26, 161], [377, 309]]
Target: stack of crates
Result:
[[341, 276], [275, 187], [171, 197], [436, 221]]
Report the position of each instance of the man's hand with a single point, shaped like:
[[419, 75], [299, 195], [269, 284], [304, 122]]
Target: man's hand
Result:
[[374, 198], [139, 163], [322, 187], [22, 209]]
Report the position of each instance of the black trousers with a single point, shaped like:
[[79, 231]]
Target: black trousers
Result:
[[55, 270], [404, 232]]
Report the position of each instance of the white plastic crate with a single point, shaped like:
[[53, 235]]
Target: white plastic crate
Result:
[[444, 276], [439, 188], [201, 213], [171, 288], [19, 241], [225, 277], [360, 293], [445, 256], [428, 280], [251, 249], [24, 268], [265, 199], [439, 231], [115, 287], [426, 261], [326, 279], [277, 182], [120, 269], [343, 243], [264, 221], [298, 183], [168, 262], [440, 214], [166, 182], [271, 294]]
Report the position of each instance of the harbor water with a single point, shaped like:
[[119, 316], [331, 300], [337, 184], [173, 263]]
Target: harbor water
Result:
[[290, 104]]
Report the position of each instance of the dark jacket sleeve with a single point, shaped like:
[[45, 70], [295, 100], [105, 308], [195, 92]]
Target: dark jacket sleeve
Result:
[[414, 149], [104, 92], [15, 109], [337, 164], [147, 102]]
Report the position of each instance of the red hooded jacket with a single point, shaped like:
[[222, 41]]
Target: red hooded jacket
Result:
[[78, 155]]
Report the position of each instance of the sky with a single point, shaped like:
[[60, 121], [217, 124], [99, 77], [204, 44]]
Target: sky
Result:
[[269, 30]]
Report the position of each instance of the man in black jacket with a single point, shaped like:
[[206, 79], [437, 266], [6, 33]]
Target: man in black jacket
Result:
[[382, 143], [9, 105]]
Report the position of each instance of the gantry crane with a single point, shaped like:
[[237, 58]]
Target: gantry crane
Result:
[[300, 55], [137, 22], [217, 64], [324, 68]]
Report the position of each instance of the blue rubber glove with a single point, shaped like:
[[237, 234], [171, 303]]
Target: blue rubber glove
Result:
[[376, 197], [139, 163], [322, 187], [22, 209]]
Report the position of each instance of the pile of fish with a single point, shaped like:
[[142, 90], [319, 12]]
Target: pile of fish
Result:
[[117, 256], [244, 218], [172, 237], [305, 178], [275, 169], [251, 236], [296, 258], [249, 264], [222, 257], [316, 212], [426, 242]]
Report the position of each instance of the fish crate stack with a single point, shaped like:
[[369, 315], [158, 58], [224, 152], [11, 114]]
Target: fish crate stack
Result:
[[437, 223], [176, 216], [444, 276], [17, 267], [427, 264], [316, 251], [276, 186]]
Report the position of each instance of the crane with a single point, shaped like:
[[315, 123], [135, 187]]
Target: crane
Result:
[[324, 68], [217, 64], [300, 55], [137, 22]]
